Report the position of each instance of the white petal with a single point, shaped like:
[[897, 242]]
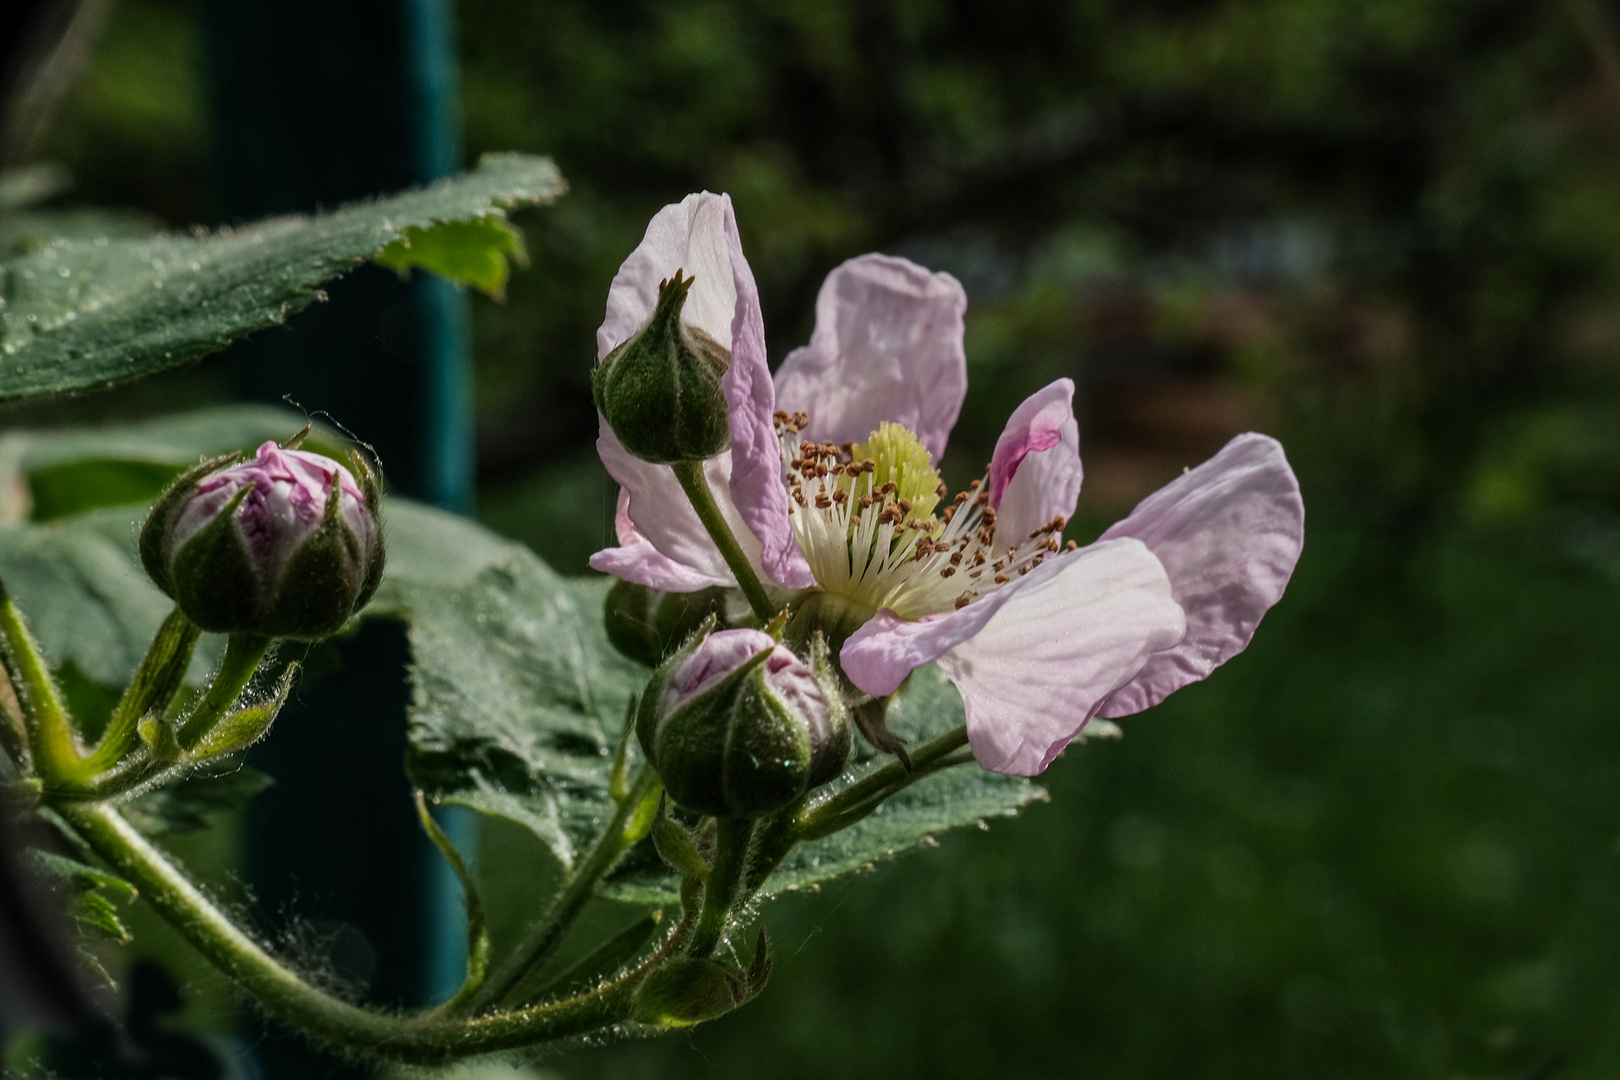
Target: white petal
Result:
[[1040, 449], [658, 509]]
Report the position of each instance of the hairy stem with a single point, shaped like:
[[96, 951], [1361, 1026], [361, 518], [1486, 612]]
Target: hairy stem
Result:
[[52, 740], [696, 485], [242, 655], [543, 940], [725, 885], [154, 686], [420, 1040]]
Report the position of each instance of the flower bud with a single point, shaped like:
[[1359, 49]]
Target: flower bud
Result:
[[660, 390], [738, 726], [287, 544]]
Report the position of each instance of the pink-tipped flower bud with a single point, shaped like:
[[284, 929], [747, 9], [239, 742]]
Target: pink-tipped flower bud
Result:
[[738, 726], [288, 544]]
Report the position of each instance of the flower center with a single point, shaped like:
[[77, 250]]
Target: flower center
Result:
[[863, 514]]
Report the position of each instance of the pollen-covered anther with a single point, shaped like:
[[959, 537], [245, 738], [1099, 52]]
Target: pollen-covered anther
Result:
[[823, 502]]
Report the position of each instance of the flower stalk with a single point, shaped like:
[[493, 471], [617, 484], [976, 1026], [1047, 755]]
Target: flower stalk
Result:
[[630, 823], [424, 1040], [696, 485], [725, 885]]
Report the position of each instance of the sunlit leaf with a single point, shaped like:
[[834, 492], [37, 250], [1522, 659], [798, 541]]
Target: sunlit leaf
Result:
[[83, 314]]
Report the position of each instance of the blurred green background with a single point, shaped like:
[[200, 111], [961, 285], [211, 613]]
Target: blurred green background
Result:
[[1383, 842]]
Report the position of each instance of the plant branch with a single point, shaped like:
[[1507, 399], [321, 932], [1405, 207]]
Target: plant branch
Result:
[[696, 485], [545, 937], [242, 655], [156, 682], [725, 884], [423, 1040]]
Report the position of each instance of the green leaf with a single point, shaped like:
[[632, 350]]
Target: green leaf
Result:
[[186, 805], [477, 253], [87, 314], [70, 470], [94, 914], [518, 701], [85, 596]]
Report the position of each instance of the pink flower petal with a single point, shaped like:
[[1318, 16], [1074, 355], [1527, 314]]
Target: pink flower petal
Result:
[[887, 346], [689, 235], [1035, 674], [658, 510], [757, 490], [637, 560], [1035, 472], [1032, 660], [646, 565], [699, 235], [1229, 533]]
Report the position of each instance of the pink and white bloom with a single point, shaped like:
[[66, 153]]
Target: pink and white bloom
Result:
[[836, 492]]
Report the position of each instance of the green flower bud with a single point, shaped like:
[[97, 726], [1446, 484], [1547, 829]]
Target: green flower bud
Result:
[[660, 391], [285, 545], [738, 726], [686, 992]]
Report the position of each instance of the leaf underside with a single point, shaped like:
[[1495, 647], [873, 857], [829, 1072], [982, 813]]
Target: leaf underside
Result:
[[84, 313]]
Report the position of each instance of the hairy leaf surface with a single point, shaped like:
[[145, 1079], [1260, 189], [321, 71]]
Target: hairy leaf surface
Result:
[[87, 313]]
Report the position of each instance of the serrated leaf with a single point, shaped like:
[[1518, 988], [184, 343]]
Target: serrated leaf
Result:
[[187, 804], [88, 314], [517, 699], [479, 253], [93, 913]]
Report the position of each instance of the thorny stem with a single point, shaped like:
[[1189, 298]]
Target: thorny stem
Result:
[[696, 485], [725, 885], [426, 1039], [543, 940]]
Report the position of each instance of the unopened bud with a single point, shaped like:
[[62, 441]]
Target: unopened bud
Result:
[[660, 391], [288, 544], [738, 726], [686, 992]]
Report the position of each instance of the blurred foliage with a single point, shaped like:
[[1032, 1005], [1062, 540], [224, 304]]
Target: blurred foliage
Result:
[[1383, 841]]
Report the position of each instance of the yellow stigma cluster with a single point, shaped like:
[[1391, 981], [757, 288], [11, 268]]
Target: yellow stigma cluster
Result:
[[893, 455], [863, 514]]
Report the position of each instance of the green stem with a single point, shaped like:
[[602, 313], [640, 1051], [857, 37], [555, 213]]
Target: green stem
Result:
[[724, 886], [419, 1040], [51, 737], [802, 821], [696, 485], [867, 793], [242, 655], [477, 932], [543, 940], [156, 682]]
